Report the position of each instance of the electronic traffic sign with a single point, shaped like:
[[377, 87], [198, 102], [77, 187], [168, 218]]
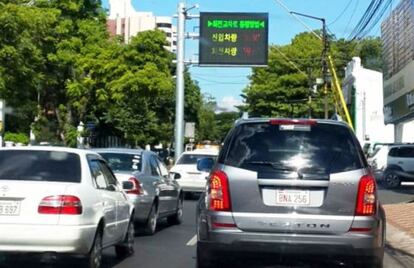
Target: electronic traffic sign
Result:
[[236, 39]]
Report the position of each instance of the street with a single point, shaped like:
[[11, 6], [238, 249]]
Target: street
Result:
[[174, 246]]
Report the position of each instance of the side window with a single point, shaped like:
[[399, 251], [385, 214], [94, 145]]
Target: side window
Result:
[[406, 152], [163, 169], [110, 178], [97, 174], [155, 171], [393, 152]]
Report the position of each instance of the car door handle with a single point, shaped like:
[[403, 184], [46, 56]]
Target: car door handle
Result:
[[400, 162]]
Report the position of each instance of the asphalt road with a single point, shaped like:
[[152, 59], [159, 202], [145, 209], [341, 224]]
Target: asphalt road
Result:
[[174, 246]]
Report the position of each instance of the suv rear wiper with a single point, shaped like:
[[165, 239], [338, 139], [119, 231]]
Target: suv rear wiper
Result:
[[274, 165]]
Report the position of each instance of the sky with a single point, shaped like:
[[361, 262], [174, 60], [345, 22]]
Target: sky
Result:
[[226, 84]]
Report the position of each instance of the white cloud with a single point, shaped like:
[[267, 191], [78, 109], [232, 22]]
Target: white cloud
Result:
[[228, 104]]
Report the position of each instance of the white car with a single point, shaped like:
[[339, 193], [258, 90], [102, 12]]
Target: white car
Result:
[[61, 200], [192, 180]]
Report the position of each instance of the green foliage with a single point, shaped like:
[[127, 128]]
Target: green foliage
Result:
[[281, 90], [225, 121], [16, 137], [207, 126], [58, 64]]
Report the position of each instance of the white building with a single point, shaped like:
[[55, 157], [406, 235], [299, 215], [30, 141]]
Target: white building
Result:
[[363, 93], [124, 20]]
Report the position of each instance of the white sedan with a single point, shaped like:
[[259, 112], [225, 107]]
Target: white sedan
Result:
[[192, 180], [61, 200]]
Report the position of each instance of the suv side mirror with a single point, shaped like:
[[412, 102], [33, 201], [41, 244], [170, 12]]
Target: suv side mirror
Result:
[[127, 185], [205, 164], [175, 176]]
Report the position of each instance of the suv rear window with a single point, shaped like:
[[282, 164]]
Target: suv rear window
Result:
[[29, 165], [320, 148]]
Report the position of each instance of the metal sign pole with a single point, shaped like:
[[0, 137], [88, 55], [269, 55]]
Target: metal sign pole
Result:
[[179, 104]]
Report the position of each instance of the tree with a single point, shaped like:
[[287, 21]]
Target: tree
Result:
[[207, 125], [282, 88], [225, 121]]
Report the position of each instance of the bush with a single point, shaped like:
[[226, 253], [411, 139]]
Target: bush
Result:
[[16, 137]]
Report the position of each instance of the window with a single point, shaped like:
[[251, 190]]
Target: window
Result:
[[123, 162], [97, 174], [31, 165], [191, 159], [155, 171], [163, 169], [405, 152], [164, 25], [393, 152], [110, 178], [318, 149]]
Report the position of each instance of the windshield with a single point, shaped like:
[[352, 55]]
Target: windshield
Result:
[[191, 159], [266, 148], [123, 162], [31, 165]]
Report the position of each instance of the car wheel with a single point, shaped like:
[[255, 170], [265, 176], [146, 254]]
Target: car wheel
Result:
[[204, 259], [94, 258], [177, 218], [391, 180], [151, 224], [127, 247], [372, 264]]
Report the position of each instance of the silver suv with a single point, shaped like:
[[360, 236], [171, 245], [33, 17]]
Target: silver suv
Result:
[[284, 186]]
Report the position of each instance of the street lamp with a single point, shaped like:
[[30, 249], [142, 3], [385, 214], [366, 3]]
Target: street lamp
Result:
[[324, 56]]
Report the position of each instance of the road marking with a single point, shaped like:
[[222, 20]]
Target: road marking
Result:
[[193, 241]]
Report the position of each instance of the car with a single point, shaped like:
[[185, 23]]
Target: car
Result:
[[193, 180], [56, 200], [156, 193], [290, 187], [393, 164]]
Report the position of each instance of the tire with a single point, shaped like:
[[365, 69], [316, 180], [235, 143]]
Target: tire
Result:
[[204, 259], [151, 224], [372, 264], [126, 249], [391, 180], [94, 258], [177, 218]]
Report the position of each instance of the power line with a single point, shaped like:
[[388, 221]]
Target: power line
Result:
[[342, 13], [218, 82], [370, 19], [352, 16], [297, 18], [289, 61]]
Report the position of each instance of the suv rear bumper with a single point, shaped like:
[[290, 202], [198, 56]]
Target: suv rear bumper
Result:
[[348, 245]]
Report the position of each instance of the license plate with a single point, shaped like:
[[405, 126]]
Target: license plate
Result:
[[9, 208], [292, 197]]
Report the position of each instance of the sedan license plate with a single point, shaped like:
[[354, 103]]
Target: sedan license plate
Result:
[[9, 208], [292, 197]]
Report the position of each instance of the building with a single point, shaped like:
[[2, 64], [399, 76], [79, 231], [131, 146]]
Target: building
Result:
[[125, 21], [363, 94], [397, 34]]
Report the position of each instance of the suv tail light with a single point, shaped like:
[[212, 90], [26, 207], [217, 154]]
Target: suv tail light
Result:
[[367, 197], [60, 204], [218, 192], [137, 189]]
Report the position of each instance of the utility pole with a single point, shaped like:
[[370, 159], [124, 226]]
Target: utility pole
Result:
[[310, 83], [325, 65], [324, 55], [182, 16], [179, 93]]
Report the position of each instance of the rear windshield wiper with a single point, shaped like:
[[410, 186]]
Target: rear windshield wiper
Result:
[[274, 165]]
